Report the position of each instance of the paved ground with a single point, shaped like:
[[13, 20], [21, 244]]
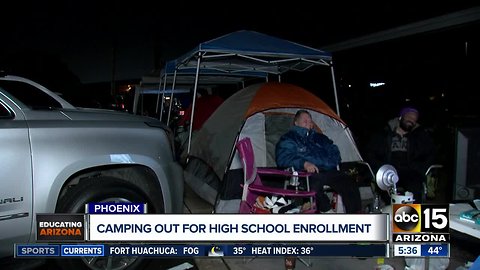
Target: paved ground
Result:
[[463, 249]]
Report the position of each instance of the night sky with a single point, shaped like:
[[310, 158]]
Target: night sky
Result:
[[68, 44], [85, 35]]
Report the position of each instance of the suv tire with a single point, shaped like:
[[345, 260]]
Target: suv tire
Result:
[[104, 189]]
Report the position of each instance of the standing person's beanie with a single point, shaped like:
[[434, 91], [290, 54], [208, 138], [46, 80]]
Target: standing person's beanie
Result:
[[407, 110]]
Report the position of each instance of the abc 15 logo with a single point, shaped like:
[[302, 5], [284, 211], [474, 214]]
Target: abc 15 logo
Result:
[[415, 218]]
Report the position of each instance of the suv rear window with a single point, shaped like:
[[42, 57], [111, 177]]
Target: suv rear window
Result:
[[4, 111], [29, 95]]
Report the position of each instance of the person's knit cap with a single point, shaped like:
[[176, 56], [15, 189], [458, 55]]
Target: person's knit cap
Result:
[[407, 110]]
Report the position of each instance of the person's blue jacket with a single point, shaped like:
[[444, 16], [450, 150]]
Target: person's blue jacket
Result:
[[300, 144]]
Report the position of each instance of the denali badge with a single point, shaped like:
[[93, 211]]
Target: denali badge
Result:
[[11, 200]]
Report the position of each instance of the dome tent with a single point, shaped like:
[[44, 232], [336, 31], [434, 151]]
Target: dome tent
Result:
[[263, 112]]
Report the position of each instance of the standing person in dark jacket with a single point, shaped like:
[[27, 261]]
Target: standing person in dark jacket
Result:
[[304, 149], [404, 144]]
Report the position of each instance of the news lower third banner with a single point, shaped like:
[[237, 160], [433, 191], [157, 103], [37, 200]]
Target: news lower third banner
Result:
[[200, 250], [238, 228]]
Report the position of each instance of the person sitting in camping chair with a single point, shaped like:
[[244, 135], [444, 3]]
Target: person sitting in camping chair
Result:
[[305, 149]]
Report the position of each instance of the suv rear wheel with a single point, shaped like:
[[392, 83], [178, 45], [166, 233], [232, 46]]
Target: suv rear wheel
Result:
[[104, 189]]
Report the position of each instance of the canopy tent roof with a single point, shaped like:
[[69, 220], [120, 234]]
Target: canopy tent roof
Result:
[[236, 57], [146, 90], [208, 76], [185, 77], [243, 51]]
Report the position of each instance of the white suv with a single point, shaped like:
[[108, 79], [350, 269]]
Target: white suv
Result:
[[54, 158]]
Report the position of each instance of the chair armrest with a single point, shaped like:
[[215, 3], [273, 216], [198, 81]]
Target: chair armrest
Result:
[[369, 168], [273, 171], [432, 167], [283, 192]]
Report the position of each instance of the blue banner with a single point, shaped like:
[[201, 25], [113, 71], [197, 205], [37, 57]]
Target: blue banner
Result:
[[116, 208], [435, 250], [82, 250], [325, 250], [37, 250]]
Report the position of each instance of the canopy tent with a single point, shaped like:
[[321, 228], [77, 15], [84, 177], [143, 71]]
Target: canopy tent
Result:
[[252, 51], [141, 90], [243, 52], [185, 77]]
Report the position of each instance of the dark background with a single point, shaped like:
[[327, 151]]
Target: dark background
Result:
[[89, 51]]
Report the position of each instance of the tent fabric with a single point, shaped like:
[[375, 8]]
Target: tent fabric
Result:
[[257, 46], [185, 76], [173, 65], [236, 56], [288, 96], [249, 113], [249, 51], [258, 43]]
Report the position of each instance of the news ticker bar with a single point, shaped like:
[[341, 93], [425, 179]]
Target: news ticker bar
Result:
[[421, 250], [176, 250]]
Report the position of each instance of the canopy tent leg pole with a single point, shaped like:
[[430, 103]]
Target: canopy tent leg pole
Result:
[[193, 102], [279, 78], [141, 103], [136, 99], [171, 97], [335, 90], [163, 95]]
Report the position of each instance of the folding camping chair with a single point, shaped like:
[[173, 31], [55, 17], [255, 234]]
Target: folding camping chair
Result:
[[253, 186]]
